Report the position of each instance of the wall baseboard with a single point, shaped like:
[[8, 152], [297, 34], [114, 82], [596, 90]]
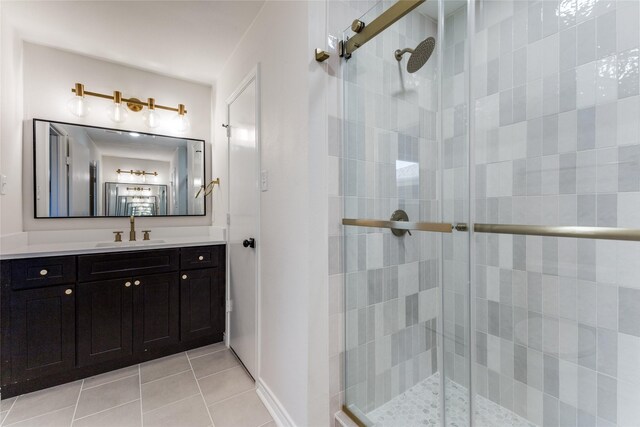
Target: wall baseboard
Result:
[[273, 405]]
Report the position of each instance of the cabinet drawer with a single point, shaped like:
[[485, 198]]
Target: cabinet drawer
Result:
[[39, 272], [126, 264], [202, 257]]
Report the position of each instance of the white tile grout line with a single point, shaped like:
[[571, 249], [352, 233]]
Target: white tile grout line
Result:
[[219, 372], [200, 390], [9, 410], [40, 415], [224, 347], [163, 378], [105, 410], [77, 401], [140, 390], [108, 382]]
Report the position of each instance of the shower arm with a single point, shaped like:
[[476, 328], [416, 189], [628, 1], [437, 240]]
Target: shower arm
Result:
[[399, 53]]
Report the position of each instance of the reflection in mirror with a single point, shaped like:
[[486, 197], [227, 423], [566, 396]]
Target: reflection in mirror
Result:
[[83, 171]]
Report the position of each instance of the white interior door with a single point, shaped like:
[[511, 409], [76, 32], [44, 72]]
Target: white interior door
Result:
[[244, 164]]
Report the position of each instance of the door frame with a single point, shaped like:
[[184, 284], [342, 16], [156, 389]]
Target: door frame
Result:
[[252, 76]]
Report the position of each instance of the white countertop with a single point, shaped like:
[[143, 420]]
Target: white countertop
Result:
[[69, 242]]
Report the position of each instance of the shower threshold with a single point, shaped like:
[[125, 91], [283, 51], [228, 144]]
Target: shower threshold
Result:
[[419, 406]]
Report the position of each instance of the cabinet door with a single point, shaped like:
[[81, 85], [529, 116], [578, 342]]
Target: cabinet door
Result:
[[202, 303], [156, 302], [105, 321], [43, 331]]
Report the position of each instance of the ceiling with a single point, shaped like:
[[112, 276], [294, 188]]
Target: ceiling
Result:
[[190, 40], [141, 146]]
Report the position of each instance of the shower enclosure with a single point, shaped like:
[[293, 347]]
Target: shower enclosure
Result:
[[492, 213]]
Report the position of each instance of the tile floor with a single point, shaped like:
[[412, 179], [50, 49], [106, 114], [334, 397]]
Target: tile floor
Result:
[[203, 387]]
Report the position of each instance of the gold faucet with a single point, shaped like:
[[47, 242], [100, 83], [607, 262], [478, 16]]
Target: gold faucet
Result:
[[132, 231]]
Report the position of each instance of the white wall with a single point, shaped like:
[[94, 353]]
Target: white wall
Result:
[[278, 40], [49, 75], [10, 128]]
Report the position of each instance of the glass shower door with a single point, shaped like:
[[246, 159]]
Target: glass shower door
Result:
[[405, 265]]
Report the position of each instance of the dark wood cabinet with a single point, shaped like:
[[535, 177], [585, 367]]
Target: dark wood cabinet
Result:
[[156, 308], [202, 295], [42, 331], [105, 322], [69, 317]]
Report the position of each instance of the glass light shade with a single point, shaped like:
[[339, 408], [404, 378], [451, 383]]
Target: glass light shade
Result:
[[78, 106], [152, 118], [117, 113], [181, 123]]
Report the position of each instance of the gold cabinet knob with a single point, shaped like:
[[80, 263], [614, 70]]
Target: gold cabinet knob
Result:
[[200, 258], [137, 282], [43, 272], [68, 291], [127, 284], [184, 276]]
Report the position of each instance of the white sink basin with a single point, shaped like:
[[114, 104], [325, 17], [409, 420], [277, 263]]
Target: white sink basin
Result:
[[129, 244]]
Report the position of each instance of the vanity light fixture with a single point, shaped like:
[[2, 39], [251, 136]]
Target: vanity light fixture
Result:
[[136, 172], [181, 122], [118, 111], [151, 117], [78, 105]]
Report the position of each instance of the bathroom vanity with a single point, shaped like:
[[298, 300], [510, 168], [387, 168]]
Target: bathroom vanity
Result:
[[74, 316]]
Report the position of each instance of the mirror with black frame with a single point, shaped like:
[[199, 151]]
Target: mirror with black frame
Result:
[[84, 171]]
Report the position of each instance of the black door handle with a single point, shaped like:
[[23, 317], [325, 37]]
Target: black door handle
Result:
[[249, 243]]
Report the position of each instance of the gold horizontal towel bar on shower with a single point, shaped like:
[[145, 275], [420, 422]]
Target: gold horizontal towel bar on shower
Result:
[[378, 25], [606, 233], [440, 227]]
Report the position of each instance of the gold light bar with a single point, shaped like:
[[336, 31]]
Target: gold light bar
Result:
[[378, 25], [440, 227], [132, 172], [606, 233], [79, 90]]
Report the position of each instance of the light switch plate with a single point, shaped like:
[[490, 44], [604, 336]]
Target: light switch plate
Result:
[[3, 184], [264, 180]]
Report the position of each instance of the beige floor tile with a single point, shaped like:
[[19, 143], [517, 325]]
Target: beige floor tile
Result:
[[160, 368], [190, 412], [59, 418], [2, 415], [244, 410], [213, 363], [44, 401], [168, 390], [127, 415], [110, 376], [225, 384], [208, 349], [5, 404], [107, 396]]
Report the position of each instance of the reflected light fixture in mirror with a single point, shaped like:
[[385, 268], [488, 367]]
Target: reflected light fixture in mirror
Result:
[[117, 112], [78, 105]]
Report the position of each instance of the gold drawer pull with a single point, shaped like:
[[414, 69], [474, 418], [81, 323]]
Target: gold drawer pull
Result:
[[200, 258], [137, 282], [184, 276], [127, 284], [43, 272], [68, 292]]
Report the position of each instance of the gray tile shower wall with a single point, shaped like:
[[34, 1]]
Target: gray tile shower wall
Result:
[[383, 145], [556, 105]]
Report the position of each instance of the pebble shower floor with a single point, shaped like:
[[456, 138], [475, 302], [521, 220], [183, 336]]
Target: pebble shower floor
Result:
[[420, 406]]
